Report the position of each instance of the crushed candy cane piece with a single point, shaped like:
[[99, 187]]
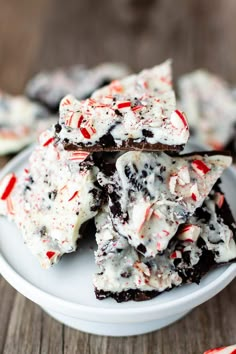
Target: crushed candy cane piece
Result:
[[189, 233], [143, 268], [7, 185], [200, 167], [66, 101], [183, 176], [219, 199], [78, 155], [50, 254], [222, 350], [46, 138], [124, 105], [73, 196], [172, 183], [10, 206], [178, 120], [194, 192], [116, 87], [136, 108], [176, 254]]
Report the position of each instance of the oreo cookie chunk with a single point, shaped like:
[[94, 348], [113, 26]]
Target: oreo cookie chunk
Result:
[[50, 87], [152, 194], [206, 240], [210, 105], [21, 121], [51, 199]]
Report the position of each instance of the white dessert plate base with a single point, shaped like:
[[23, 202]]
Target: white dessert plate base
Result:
[[66, 292], [115, 329]]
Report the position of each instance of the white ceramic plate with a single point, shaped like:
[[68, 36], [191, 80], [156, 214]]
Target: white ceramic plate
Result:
[[66, 292]]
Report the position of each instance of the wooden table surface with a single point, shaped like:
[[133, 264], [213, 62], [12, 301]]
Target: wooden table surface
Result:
[[46, 33]]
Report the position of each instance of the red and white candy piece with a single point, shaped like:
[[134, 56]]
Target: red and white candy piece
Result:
[[143, 214], [178, 120], [172, 183], [50, 254], [78, 155], [194, 193], [200, 167], [10, 206], [189, 233], [7, 185], [74, 119], [142, 268], [66, 101], [116, 87], [75, 194], [219, 199], [223, 350], [183, 176], [176, 254], [125, 104], [87, 131], [46, 138]]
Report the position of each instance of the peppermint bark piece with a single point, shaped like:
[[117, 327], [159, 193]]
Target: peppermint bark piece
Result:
[[151, 194], [156, 81], [137, 118], [21, 121], [208, 101], [206, 240], [50, 87], [51, 199], [122, 123]]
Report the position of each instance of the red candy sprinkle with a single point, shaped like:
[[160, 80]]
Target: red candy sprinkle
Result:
[[49, 141], [124, 105], [9, 187], [136, 108], [73, 196], [50, 254]]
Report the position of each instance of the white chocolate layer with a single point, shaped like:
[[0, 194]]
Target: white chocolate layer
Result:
[[140, 107], [52, 198], [151, 194]]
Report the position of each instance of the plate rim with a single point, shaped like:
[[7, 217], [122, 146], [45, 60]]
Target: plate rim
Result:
[[153, 311]]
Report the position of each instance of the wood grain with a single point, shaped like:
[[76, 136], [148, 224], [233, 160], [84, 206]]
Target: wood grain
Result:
[[26, 329], [38, 34]]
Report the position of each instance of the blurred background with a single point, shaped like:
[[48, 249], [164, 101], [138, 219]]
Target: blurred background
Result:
[[43, 34]]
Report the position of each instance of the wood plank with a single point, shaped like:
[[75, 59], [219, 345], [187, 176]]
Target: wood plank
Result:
[[52, 336], [24, 328], [7, 295], [21, 29]]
